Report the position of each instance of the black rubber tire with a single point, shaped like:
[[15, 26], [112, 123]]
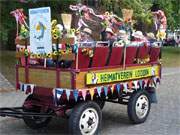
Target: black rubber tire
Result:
[[101, 103], [75, 116], [35, 122], [132, 104]]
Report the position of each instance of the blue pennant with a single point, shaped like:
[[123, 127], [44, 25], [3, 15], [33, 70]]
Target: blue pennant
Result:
[[141, 84], [106, 91], [58, 93], [118, 86], [75, 93], [99, 91]]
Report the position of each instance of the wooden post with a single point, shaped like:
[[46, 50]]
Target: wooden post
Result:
[[124, 60], [57, 49]]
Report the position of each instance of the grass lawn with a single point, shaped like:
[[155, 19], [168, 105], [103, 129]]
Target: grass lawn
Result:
[[7, 65], [170, 58]]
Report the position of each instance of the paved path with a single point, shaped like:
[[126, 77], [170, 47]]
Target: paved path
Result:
[[5, 85], [164, 118]]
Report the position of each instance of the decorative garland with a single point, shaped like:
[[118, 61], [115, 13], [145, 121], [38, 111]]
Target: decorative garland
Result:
[[114, 88]]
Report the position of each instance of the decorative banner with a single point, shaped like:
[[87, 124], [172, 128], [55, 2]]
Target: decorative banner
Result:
[[40, 30], [127, 86], [109, 77]]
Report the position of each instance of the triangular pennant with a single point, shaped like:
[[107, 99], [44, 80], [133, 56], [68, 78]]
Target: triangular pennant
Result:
[[158, 80], [76, 94], [99, 91], [54, 95], [21, 86], [130, 85], [141, 84], [106, 90], [118, 87], [154, 81], [135, 84], [125, 89], [68, 92], [25, 88], [32, 88], [58, 93], [84, 92], [112, 88], [145, 82], [91, 91]]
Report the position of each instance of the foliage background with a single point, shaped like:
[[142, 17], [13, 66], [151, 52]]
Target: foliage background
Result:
[[141, 8]]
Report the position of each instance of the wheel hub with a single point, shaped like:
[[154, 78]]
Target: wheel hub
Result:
[[142, 106], [89, 121]]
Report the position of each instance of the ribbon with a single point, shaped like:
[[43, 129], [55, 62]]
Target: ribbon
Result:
[[135, 84]]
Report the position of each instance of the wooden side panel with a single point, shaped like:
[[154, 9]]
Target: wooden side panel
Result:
[[42, 78], [65, 80], [21, 74]]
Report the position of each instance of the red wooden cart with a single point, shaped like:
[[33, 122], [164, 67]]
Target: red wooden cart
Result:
[[80, 89]]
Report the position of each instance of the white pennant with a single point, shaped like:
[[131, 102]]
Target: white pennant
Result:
[[32, 88], [68, 92], [21, 86], [25, 88], [135, 84], [125, 87]]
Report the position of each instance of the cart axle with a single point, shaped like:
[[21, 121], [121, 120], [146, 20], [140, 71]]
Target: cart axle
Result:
[[18, 112]]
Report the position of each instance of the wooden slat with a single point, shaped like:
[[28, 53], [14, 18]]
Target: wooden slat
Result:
[[42, 78], [65, 80], [21, 74]]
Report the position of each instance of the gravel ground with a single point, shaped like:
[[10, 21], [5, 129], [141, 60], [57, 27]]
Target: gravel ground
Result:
[[164, 118]]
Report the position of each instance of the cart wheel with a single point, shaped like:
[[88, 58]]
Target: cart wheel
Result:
[[101, 103], [35, 122], [85, 119], [139, 106]]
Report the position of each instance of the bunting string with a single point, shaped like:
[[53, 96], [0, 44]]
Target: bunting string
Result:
[[114, 88]]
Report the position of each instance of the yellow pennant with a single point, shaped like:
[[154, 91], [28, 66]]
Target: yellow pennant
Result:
[[112, 88], [91, 91]]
